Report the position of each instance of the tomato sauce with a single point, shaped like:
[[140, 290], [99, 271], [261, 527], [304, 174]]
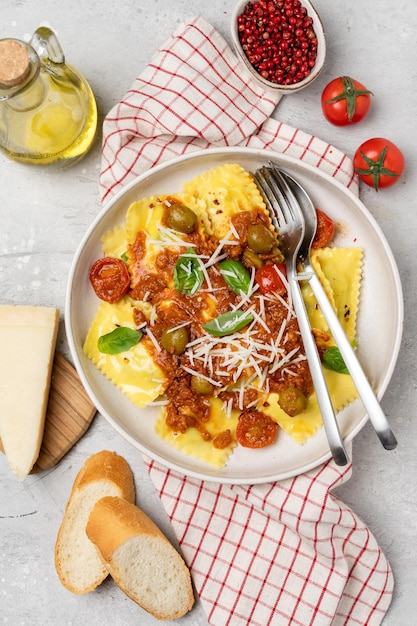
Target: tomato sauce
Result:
[[173, 309]]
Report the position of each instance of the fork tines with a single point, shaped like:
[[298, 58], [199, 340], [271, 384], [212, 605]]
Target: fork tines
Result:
[[277, 195], [262, 177]]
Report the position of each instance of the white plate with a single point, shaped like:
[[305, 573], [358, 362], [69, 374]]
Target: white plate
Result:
[[379, 324]]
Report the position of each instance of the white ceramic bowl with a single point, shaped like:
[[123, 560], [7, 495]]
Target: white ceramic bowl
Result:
[[379, 322], [321, 50]]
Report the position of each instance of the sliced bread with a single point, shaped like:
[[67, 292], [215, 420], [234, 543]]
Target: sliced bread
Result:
[[140, 559], [77, 560]]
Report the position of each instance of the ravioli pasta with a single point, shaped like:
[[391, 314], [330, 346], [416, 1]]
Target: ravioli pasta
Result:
[[339, 270], [246, 369]]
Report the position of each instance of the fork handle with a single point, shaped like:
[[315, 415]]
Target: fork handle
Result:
[[365, 391], [331, 427]]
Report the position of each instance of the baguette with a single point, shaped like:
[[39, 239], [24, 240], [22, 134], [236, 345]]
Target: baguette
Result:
[[77, 560], [140, 559]]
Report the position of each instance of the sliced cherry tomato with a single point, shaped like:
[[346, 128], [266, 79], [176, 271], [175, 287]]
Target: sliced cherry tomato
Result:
[[110, 279], [379, 163], [270, 278], [256, 430], [345, 101], [325, 230]]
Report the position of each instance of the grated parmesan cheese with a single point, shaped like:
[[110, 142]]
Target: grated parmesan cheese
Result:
[[153, 339]]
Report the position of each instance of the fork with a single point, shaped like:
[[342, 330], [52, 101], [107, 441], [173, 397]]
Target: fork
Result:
[[288, 221], [297, 196]]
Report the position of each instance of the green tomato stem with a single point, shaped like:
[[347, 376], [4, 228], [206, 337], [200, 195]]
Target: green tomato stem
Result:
[[376, 168], [349, 94]]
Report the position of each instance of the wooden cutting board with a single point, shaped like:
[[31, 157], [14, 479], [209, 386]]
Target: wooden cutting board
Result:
[[68, 416]]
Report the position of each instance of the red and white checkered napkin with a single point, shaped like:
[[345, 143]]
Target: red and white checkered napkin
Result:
[[289, 552]]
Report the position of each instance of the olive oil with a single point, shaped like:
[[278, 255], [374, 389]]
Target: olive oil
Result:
[[57, 129], [51, 117]]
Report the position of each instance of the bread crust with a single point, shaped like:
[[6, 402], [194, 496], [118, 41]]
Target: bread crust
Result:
[[113, 522], [110, 473], [106, 465]]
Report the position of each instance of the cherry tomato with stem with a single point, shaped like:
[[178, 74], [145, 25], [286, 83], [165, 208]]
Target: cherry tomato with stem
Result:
[[379, 163], [325, 230], [345, 101], [255, 430], [272, 278], [110, 279]]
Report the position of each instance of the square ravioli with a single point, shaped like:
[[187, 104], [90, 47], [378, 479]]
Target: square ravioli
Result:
[[215, 345]]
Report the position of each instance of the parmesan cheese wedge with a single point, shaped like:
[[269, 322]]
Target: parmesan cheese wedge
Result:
[[27, 339]]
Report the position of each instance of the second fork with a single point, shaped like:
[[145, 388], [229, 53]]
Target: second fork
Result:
[[289, 225]]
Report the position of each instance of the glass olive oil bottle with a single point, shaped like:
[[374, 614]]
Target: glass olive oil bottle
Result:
[[48, 113]]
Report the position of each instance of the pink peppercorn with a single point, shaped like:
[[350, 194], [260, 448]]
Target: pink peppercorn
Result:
[[278, 39]]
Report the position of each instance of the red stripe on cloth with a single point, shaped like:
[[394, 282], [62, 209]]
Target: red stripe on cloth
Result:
[[239, 539], [225, 67], [188, 102], [204, 529], [307, 147]]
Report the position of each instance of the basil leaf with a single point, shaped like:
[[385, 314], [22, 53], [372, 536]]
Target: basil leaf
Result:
[[188, 273], [236, 275], [124, 257], [333, 360], [228, 323], [118, 340]]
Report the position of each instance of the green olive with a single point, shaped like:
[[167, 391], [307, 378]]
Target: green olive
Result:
[[181, 218], [260, 239], [175, 341], [251, 259], [201, 385], [293, 401]]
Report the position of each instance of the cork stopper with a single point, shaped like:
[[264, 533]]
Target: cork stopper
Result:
[[14, 62]]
